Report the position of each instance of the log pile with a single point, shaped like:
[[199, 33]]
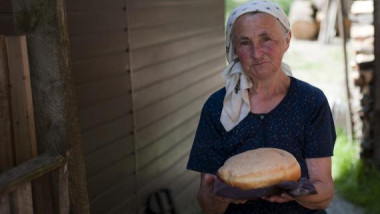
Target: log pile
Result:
[[362, 42]]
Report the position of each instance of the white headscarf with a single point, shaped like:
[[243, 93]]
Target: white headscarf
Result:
[[236, 104]]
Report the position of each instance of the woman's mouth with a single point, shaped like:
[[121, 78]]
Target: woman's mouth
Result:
[[259, 63]]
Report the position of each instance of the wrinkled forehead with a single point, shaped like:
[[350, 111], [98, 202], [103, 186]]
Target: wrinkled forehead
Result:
[[257, 19]]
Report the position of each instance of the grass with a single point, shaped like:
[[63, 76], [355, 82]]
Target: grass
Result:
[[355, 181]]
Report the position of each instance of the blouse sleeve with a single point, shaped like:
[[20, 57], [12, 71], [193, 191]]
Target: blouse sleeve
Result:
[[320, 130], [206, 156]]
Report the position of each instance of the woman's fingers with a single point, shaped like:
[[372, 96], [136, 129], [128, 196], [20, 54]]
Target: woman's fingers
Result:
[[209, 202], [286, 196], [209, 179], [279, 198], [208, 189], [238, 201], [231, 200]]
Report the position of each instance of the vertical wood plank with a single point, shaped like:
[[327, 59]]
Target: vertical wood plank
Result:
[[4, 204], [21, 99], [6, 151], [60, 187], [50, 192], [6, 158], [22, 201], [42, 197], [24, 137]]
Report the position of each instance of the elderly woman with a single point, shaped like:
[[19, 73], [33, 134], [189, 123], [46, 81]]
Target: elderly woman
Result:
[[262, 105]]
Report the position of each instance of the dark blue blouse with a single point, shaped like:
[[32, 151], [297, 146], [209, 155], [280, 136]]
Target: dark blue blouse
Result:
[[301, 124]]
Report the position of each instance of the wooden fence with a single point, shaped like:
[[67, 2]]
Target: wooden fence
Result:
[[29, 182]]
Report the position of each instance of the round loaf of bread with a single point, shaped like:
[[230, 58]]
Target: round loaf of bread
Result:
[[260, 168]]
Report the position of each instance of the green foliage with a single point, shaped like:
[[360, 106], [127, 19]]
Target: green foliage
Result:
[[231, 4], [285, 5], [346, 155], [355, 181]]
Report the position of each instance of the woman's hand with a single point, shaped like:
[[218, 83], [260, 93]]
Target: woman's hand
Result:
[[210, 203], [320, 176]]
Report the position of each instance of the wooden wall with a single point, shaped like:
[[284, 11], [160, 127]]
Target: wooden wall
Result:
[[100, 67], [6, 18], [142, 70]]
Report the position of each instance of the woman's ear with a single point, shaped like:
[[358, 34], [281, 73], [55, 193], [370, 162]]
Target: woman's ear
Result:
[[287, 39]]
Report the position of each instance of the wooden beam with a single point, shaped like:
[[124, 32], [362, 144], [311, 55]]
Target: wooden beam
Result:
[[28, 171]]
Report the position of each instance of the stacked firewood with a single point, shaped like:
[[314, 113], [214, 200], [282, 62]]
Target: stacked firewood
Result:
[[362, 42]]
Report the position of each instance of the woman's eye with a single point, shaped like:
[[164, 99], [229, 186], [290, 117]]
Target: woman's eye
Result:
[[266, 39], [244, 43]]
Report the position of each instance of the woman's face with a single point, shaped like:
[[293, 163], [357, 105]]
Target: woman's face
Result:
[[260, 43]]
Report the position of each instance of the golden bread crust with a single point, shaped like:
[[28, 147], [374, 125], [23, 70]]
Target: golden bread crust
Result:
[[260, 168]]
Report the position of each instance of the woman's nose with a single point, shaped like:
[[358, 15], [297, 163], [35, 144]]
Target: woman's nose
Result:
[[256, 51]]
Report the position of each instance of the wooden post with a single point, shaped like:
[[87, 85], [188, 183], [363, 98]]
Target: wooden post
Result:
[[376, 89], [342, 32]]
